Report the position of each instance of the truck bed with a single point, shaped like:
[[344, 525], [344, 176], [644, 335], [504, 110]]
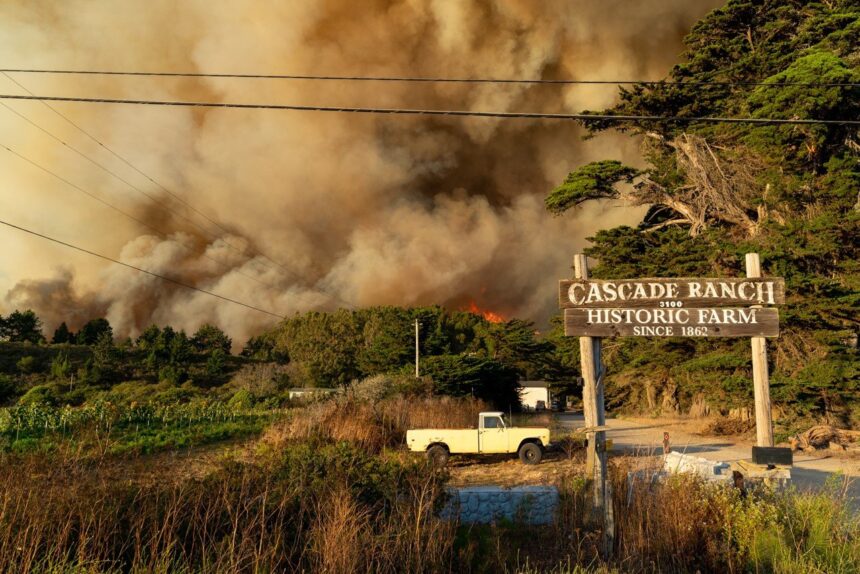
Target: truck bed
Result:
[[457, 440]]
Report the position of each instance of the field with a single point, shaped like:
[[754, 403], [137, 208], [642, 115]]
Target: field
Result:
[[328, 487]]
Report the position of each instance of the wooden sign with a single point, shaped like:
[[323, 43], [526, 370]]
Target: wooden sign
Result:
[[677, 322], [670, 293]]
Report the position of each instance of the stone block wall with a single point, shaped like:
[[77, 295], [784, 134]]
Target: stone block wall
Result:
[[486, 504]]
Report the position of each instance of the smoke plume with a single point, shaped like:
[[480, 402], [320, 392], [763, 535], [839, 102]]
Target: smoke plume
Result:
[[348, 209]]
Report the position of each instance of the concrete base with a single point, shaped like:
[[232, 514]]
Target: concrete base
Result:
[[779, 476], [676, 462]]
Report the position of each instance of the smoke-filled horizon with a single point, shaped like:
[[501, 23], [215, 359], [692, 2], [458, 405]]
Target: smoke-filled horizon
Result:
[[366, 210]]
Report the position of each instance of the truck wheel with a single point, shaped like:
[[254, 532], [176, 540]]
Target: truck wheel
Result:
[[530, 453], [437, 455]]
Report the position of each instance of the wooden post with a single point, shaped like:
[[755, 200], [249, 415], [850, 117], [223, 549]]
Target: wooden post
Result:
[[761, 384], [592, 406]]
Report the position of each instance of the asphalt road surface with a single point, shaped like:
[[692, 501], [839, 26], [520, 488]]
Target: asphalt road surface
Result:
[[644, 437]]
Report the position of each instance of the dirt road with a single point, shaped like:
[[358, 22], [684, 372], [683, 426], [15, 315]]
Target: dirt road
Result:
[[645, 437]]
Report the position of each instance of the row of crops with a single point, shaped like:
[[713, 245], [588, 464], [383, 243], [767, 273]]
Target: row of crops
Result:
[[102, 415]]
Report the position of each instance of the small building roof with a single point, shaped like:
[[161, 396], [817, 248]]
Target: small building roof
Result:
[[533, 384], [492, 413]]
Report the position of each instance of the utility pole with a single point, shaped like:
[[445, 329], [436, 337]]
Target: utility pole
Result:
[[416, 349]]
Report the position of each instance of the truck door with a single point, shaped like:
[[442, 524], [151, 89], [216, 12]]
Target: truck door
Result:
[[492, 435]]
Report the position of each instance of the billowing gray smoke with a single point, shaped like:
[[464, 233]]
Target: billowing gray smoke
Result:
[[362, 209]]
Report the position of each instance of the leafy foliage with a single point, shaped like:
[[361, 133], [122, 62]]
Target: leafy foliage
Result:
[[21, 327], [62, 335], [460, 350], [595, 180], [463, 375], [718, 191], [93, 330], [210, 338]]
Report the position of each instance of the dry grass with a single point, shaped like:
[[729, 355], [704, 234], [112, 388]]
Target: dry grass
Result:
[[729, 427], [325, 509], [374, 426]]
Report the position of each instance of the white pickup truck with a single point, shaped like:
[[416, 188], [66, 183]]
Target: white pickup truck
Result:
[[493, 435]]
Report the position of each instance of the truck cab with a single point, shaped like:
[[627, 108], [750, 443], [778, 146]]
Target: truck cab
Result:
[[492, 433]]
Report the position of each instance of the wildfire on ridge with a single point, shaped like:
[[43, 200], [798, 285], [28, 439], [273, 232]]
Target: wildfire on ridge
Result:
[[485, 313]]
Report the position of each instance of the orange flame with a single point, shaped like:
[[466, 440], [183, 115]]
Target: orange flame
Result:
[[485, 313]]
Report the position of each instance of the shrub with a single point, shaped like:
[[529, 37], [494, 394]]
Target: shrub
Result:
[[215, 363], [61, 366], [379, 387], [48, 394], [8, 388], [26, 365], [241, 399]]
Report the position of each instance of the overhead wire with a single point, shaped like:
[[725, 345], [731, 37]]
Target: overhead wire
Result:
[[561, 81], [135, 168], [456, 113], [204, 231], [110, 172], [134, 218], [158, 275], [118, 177]]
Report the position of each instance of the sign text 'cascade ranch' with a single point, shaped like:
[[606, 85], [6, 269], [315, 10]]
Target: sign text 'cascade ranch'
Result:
[[579, 293]]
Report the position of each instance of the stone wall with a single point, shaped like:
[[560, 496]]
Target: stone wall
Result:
[[486, 504]]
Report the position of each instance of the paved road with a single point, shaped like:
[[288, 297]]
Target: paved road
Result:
[[645, 437]]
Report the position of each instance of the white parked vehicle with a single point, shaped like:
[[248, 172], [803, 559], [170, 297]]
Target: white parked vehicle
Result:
[[492, 436]]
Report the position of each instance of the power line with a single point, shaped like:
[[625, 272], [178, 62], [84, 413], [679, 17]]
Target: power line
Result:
[[165, 208], [149, 226], [132, 166], [427, 79], [210, 236], [459, 113], [159, 276], [108, 170], [118, 177]]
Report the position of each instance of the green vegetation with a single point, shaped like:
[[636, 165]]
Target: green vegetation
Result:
[[107, 428], [166, 390], [462, 352], [717, 191]]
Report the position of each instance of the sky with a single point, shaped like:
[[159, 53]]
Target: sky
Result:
[[293, 211]]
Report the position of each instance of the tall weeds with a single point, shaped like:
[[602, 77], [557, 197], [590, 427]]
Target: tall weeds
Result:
[[330, 508], [374, 425]]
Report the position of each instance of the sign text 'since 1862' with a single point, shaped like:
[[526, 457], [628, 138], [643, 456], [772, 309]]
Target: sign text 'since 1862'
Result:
[[676, 322], [579, 293]]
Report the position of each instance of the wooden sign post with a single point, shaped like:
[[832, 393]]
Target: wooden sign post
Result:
[[761, 383], [591, 365], [682, 307]]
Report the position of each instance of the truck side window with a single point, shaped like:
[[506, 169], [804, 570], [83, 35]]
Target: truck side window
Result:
[[493, 423]]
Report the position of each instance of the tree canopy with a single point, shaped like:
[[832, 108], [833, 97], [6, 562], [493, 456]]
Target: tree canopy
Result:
[[717, 191], [21, 327]]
